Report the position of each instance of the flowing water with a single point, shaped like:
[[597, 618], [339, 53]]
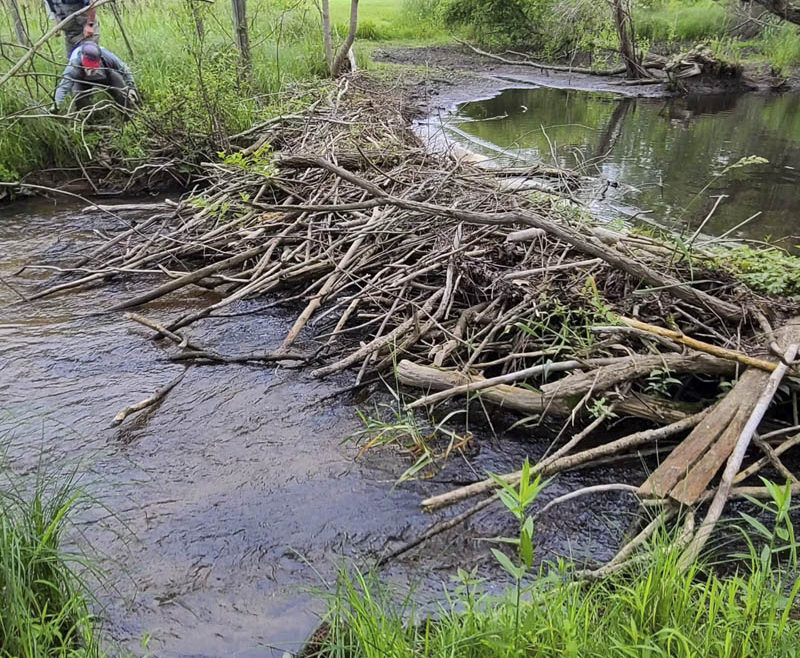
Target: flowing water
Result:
[[219, 505], [662, 154]]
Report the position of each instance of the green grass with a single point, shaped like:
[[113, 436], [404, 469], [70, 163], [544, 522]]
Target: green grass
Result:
[[406, 22], [651, 609], [678, 20], [194, 95], [44, 603], [781, 45]]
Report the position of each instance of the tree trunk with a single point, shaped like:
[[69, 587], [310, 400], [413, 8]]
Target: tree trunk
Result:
[[341, 58], [783, 8], [627, 45], [242, 35], [19, 26], [326, 33]]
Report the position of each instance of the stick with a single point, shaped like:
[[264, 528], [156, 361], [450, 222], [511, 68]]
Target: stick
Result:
[[757, 466], [158, 395], [544, 67], [190, 278], [700, 346], [735, 461], [179, 340], [511, 276], [508, 378], [118, 19], [569, 461]]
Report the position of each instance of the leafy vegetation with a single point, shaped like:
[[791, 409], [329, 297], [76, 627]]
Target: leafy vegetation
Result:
[[653, 608], [44, 602], [771, 270]]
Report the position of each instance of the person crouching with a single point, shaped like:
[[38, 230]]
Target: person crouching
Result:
[[91, 69]]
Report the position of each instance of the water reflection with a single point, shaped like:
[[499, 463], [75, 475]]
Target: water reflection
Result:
[[665, 152]]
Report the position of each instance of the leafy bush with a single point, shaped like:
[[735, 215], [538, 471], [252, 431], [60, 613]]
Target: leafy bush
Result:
[[681, 20], [772, 271], [494, 21]]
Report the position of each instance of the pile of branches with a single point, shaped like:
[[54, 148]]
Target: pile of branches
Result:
[[391, 256]]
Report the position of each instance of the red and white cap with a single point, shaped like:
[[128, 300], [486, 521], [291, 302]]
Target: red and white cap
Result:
[[90, 55]]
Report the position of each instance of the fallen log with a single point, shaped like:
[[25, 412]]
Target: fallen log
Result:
[[608, 373], [735, 460], [626, 369], [524, 400]]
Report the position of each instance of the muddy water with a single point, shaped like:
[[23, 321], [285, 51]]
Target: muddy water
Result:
[[219, 505], [661, 153]]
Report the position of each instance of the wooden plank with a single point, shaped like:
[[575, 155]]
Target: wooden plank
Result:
[[691, 488], [675, 467]]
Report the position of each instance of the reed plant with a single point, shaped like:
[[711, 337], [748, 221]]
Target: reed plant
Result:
[[44, 597]]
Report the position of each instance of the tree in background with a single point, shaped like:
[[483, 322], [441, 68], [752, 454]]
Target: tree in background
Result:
[[336, 60]]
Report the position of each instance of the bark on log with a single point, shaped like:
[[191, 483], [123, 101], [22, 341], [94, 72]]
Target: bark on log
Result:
[[699, 345], [735, 461], [524, 400], [627, 369], [569, 461]]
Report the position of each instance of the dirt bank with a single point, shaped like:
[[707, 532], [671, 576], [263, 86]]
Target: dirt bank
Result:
[[454, 74]]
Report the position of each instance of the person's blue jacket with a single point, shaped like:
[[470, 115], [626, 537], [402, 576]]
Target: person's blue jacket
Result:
[[73, 72], [57, 11]]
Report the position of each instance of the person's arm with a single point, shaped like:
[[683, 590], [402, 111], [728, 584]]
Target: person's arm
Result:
[[114, 62], [88, 29], [71, 73]]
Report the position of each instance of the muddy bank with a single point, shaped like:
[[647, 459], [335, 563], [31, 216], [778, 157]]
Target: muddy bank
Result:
[[457, 75], [232, 495]]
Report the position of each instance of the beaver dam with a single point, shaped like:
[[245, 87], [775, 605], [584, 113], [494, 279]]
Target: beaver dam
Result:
[[471, 287]]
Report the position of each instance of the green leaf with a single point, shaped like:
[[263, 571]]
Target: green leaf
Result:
[[759, 527], [526, 548], [505, 562], [528, 526]]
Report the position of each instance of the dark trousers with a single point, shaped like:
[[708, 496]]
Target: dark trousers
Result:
[[112, 83]]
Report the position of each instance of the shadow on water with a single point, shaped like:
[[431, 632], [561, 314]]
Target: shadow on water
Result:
[[661, 152], [237, 489]]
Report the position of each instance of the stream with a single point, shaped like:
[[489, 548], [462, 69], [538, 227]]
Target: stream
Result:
[[659, 154], [217, 509]]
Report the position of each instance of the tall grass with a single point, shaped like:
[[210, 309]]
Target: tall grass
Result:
[[189, 79], [44, 602], [781, 44], [682, 20], [653, 609]]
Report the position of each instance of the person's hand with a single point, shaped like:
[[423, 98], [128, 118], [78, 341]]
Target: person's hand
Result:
[[133, 97], [88, 30]]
